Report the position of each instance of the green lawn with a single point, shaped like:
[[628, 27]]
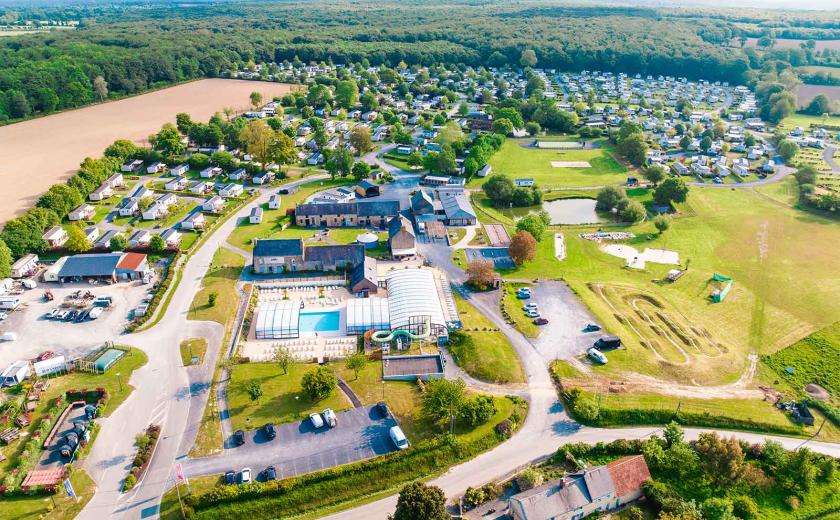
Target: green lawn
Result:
[[41, 506], [786, 191], [513, 305], [273, 219], [806, 121], [785, 279], [220, 279], [283, 399], [485, 353], [517, 161], [193, 347]]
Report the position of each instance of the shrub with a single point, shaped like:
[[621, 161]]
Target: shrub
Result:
[[745, 507], [129, 482], [504, 429], [529, 478], [793, 502], [477, 410]]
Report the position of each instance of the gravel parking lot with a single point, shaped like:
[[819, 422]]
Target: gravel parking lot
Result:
[[299, 448], [36, 334]]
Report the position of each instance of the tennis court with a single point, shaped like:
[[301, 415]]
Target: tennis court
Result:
[[498, 255], [497, 235]]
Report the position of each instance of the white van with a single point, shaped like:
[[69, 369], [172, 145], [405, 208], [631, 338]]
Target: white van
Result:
[[9, 302], [398, 437]]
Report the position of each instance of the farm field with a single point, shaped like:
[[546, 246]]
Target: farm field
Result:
[[813, 69], [791, 43], [516, 160], [782, 292], [805, 93], [70, 136], [806, 121]]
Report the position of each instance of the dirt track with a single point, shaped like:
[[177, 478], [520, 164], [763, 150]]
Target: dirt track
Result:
[[36, 154]]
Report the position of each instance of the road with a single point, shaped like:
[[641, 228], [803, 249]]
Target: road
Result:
[[167, 394]]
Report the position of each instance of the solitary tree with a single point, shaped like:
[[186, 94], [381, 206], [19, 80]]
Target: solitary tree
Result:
[[356, 362], [211, 299], [443, 397], [168, 140], [157, 244], [361, 140], [77, 241], [654, 174], [283, 358], [255, 390], [662, 223], [671, 190], [319, 383], [528, 58], [417, 501], [480, 274], [256, 99], [522, 247], [118, 243], [533, 224]]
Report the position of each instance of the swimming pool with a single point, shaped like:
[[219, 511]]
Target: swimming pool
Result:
[[319, 321]]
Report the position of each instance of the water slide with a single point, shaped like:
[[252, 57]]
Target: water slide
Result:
[[384, 336]]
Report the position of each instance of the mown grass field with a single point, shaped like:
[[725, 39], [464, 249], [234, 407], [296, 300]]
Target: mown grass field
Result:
[[806, 121], [193, 347], [815, 359], [220, 279], [283, 398], [780, 258], [486, 353], [41, 506], [517, 161]]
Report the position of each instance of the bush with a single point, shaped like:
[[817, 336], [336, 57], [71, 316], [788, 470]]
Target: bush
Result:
[[528, 479], [129, 482], [745, 507], [504, 429], [477, 410]]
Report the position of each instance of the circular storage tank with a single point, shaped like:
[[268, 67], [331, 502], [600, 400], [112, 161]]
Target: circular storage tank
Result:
[[369, 240]]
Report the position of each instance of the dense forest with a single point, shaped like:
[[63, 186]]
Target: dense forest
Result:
[[122, 49]]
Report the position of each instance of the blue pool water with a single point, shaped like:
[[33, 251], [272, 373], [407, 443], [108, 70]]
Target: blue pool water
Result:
[[319, 321]]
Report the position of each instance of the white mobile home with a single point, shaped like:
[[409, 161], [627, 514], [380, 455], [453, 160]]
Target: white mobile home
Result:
[[15, 373], [25, 266]]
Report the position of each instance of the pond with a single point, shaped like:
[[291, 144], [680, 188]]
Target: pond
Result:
[[562, 211]]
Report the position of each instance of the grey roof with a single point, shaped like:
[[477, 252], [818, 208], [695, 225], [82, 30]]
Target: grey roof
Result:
[[458, 207], [279, 247], [599, 482], [365, 271], [420, 200], [552, 499], [105, 238], [395, 225], [104, 264], [353, 254], [362, 208]]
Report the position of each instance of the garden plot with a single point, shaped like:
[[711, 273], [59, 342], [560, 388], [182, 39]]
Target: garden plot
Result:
[[669, 335], [570, 164], [638, 260]]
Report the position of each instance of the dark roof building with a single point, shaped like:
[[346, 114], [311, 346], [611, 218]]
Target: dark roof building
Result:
[[289, 255], [333, 258], [279, 247], [368, 188], [103, 266], [375, 213], [365, 278]]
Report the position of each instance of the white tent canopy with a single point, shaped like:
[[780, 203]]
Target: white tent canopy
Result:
[[278, 320], [413, 296], [364, 314]]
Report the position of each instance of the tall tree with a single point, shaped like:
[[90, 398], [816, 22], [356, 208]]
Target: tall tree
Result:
[[443, 397], [168, 141], [100, 88], [417, 501], [77, 241], [361, 140], [256, 99], [347, 93], [523, 247]]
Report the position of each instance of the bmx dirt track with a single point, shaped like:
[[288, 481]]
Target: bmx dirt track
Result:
[[36, 154]]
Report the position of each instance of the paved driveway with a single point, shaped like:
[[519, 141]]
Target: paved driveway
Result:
[[299, 448]]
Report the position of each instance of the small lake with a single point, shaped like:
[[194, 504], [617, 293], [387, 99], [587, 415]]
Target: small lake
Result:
[[562, 211]]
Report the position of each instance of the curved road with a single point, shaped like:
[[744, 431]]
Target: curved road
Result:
[[166, 393], [828, 157], [175, 397]]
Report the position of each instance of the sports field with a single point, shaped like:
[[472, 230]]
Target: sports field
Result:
[[782, 260], [516, 161]]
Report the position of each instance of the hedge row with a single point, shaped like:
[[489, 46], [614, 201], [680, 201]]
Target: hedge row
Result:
[[161, 291], [337, 485], [830, 412]]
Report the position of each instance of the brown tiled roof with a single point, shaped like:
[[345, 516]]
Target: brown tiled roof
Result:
[[44, 477], [628, 474], [131, 261]]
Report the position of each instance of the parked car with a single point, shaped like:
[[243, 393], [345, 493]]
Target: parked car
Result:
[[316, 420], [47, 354], [398, 437], [270, 431], [239, 437], [540, 321], [3, 316], [382, 408], [596, 355], [608, 343], [230, 477], [245, 476], [529, 306], [270, 473], [533, 313], [592, 328], [524, 293], [330, 418], [71, 315]]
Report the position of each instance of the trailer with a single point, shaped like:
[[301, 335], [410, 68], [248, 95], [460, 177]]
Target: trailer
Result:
[[9, 302], [15, 373]]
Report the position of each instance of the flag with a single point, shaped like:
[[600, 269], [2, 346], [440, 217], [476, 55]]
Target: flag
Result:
[[179, 472], [68, 487]]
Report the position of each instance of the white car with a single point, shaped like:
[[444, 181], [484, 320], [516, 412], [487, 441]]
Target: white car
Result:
[[3, 315], [245, 476], [317, 422], [533, 313], [530, 306], [330, 417]]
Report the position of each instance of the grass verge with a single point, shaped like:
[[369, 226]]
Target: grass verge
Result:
[[193, 347]]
